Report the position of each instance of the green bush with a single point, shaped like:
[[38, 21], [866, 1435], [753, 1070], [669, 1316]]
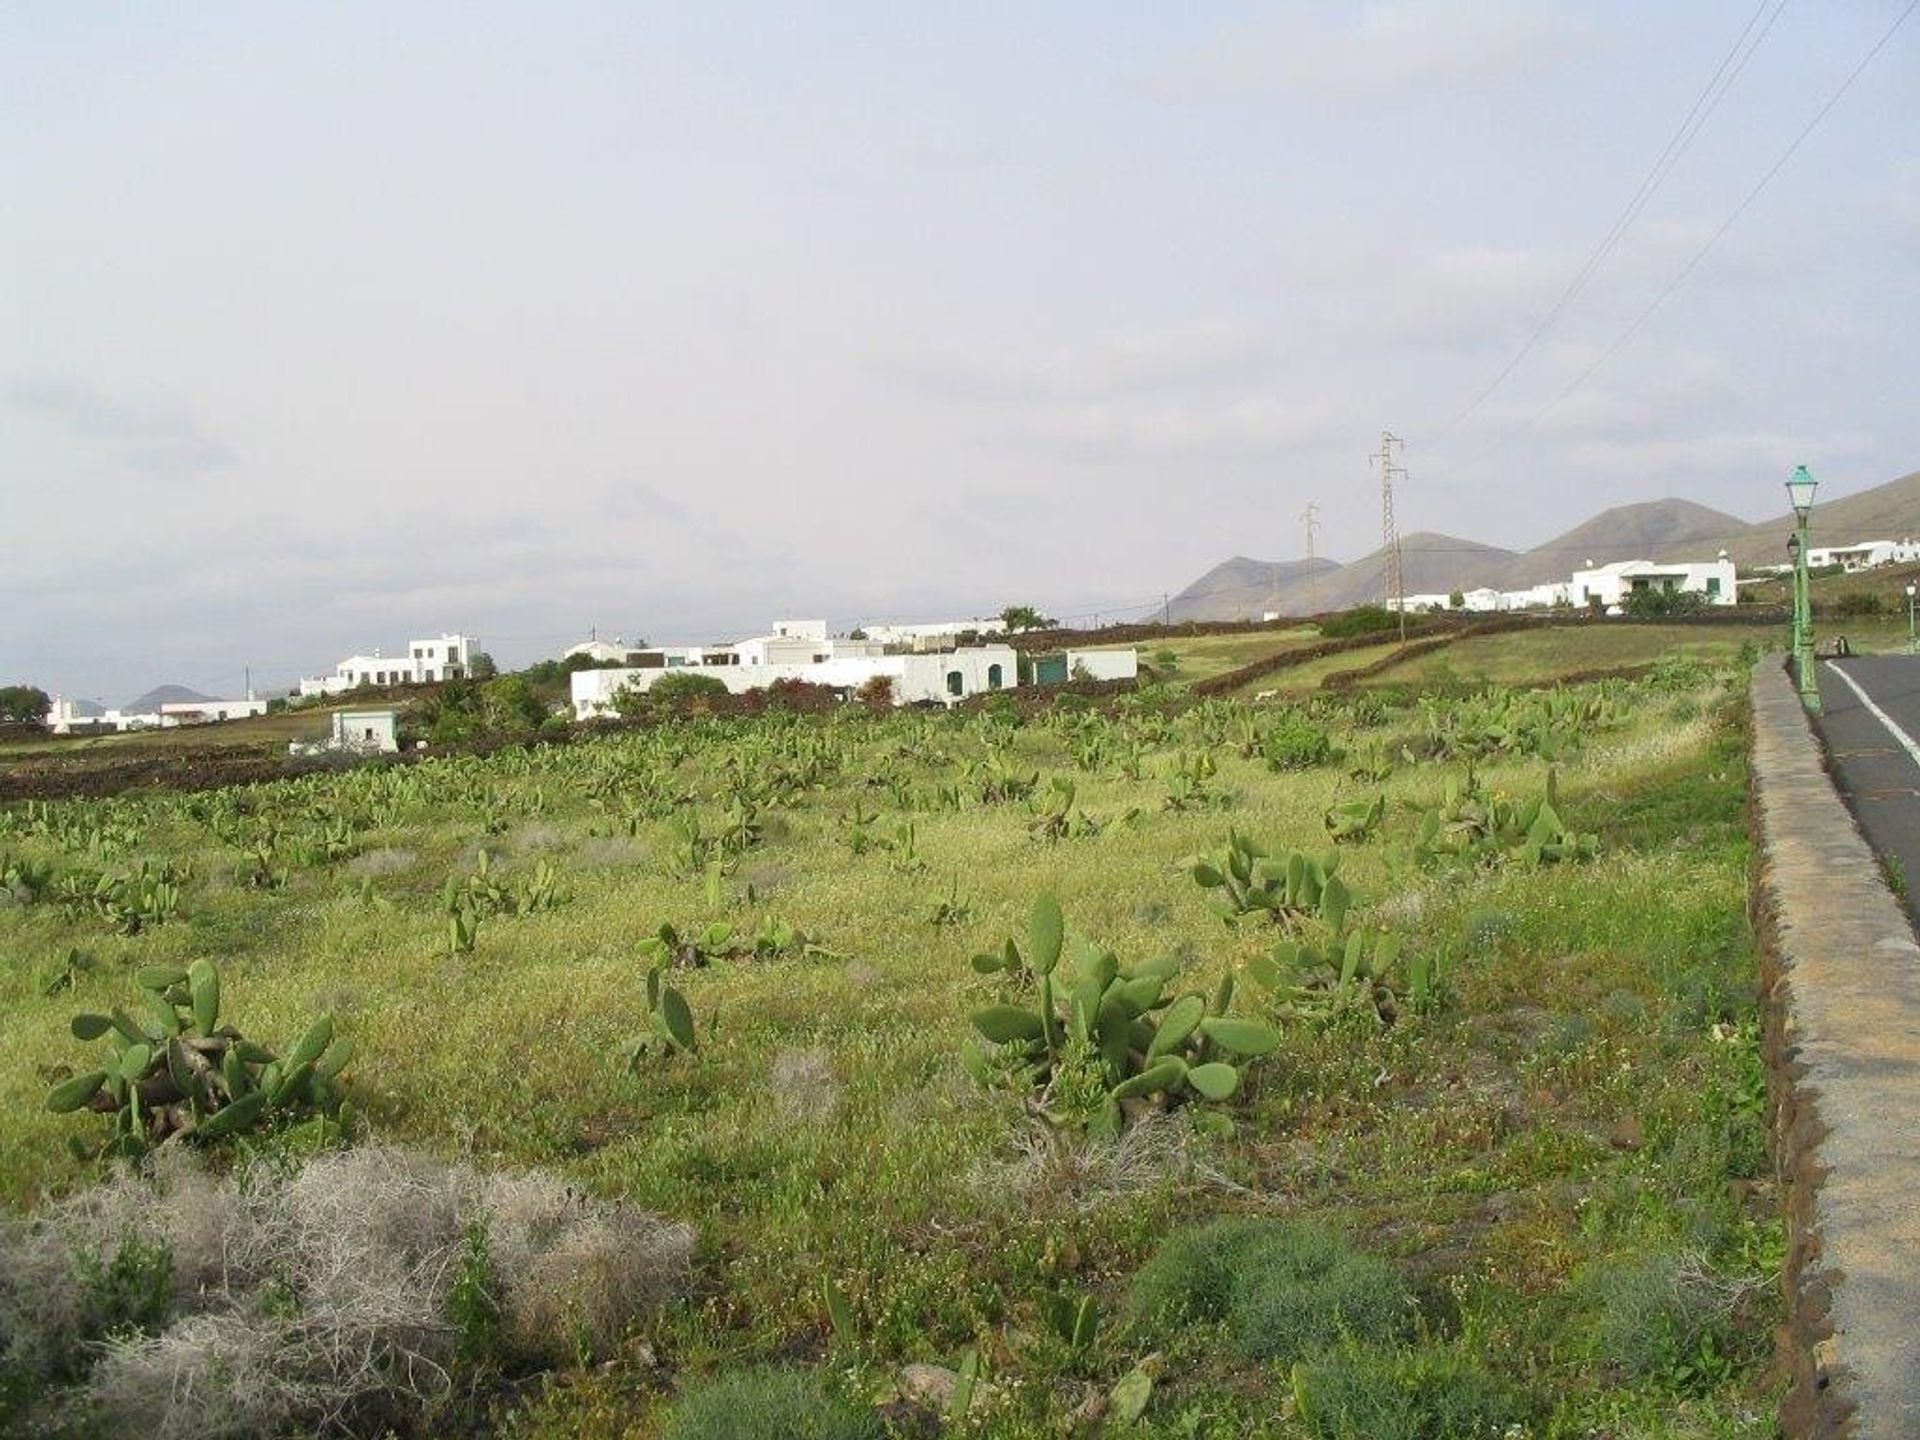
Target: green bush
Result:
[[1361, 1392], [676, 688], [768, 1404], [1285, 1289], [1361, 620], [1860, 604], [1664, 1318], [1652, 604], [1296, 744]]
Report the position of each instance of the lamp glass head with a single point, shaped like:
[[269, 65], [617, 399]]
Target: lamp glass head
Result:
[[1800, 491]]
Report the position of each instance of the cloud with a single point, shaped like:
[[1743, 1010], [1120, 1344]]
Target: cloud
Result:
[[1386, 50], [157, 435], [1117, 362]]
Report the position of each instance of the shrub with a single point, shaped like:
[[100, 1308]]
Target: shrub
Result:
[[1658, 604], [768, 1404], [346, 1290], [681, 686], [1361, 620], [1295, 743], [1359, 1392], [876, 694], [1285, 1289], [1666, 1318], [1860, 604]]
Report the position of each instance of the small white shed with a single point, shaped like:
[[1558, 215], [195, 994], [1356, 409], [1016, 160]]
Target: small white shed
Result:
[[369, 730]]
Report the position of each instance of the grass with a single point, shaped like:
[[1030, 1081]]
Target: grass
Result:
[[1536, 656], [1201, 657], [1586, 1091], [266, 733]]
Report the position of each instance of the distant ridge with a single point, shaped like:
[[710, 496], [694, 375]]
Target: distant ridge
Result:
[[161, 695], [1673, 529], [1626, 532], [1242, 587]]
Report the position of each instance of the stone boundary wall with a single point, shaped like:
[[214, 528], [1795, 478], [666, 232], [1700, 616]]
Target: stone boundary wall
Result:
[[1841, 978]]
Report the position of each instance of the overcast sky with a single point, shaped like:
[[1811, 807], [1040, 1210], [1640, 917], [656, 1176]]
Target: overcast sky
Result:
[[323, 326]]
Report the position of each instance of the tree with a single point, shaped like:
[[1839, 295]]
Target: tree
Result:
[[24, 704], [481, 666], [1026, 617], [510, 704], [1457, 600]]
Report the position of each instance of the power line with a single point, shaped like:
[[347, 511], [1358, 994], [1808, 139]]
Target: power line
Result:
[[1686, 270], [1690, 126]]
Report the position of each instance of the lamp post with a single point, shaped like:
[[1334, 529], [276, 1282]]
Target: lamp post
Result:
[[1911, 646], [1800, 488]]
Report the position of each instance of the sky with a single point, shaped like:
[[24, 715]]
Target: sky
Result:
[[324, 326]]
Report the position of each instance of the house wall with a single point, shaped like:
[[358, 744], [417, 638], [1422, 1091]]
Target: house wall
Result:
[[365, 730], [915, 677], [191, 712], [1105, 664]]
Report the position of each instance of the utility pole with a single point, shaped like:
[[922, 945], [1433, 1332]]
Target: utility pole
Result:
[[1310, 521], [1166, 610], [1389, 531], [249, 690]]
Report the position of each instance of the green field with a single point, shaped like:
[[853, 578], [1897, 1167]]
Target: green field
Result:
[[1555, 1152], [1201, 657], [1548, 654]]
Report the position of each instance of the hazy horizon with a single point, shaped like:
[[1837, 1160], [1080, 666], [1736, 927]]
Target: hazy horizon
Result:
[[328, 326]]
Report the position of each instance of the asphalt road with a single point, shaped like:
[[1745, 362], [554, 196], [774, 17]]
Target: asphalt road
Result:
[[1871, 722]]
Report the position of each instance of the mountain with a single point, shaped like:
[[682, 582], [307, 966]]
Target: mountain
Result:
[[1673, 529], [1239, 588], [1886, 512], [160, 695], [1430, 564], [1656, 529]]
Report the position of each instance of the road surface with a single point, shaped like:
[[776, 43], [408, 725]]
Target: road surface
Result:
[[1872, 729]]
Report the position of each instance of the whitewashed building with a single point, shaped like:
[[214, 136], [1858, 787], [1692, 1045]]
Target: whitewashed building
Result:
[[365, 732], [69, 717], [444, 657], [1611, 585], [207, 712], [1863, 554], [1103, 664], [601, 652], [933, 635], [945, 678]]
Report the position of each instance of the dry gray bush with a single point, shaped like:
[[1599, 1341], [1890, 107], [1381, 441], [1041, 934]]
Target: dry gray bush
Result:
[[1157, 1148], [307, 1297], [804, 1087], [575, 1271], [375, 863]]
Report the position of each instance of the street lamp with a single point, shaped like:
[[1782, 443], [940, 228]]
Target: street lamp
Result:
[[1911, 646], [1800, 488]]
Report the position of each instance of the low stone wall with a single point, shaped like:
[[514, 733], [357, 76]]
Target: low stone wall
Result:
[[1842, 989]]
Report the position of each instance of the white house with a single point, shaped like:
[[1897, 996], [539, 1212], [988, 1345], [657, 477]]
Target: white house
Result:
[[944, 678], [206, 712], [934, 635], [368, 732], [1862, 554], [1611, 585], [1103, 664], [601, 652], [445, 657], [67, 717]]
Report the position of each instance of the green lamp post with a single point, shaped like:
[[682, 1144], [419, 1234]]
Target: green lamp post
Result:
[[1800, 490], [1912, 646]]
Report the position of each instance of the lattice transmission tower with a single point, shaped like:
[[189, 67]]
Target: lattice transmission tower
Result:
[[1389, 531], [1310, 522]]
